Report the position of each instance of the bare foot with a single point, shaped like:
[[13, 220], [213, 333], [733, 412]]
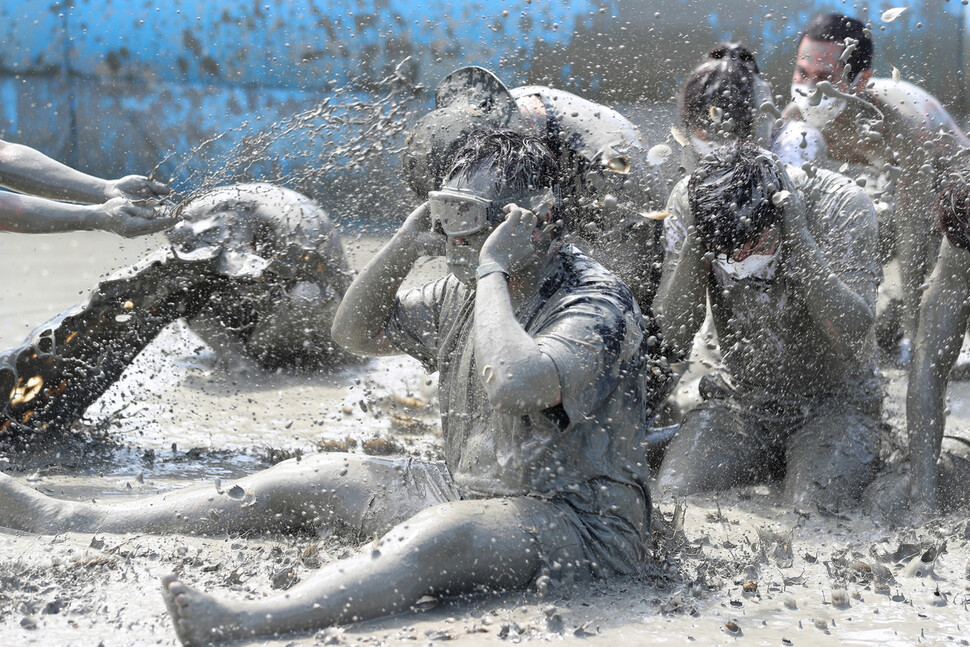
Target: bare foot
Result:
[[24, 508], [200, 619]]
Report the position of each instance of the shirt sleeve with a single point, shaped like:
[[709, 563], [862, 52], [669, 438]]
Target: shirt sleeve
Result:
[[675, 225], [414, 324], [590, 340]]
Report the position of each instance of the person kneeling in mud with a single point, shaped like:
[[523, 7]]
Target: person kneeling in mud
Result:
[[939, 465], [256, 270], [543, 388], [789, 263]]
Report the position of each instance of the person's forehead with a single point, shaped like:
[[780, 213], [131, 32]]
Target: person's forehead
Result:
[[819, 54]]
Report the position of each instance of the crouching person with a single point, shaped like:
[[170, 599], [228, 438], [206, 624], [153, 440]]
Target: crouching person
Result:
[[789, 263], [542, 366]]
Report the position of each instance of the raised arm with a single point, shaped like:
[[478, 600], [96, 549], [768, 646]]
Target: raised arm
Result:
[[366, 307], [29, 171], [843, 314], [518, 377], [681, 302], [942, 323]]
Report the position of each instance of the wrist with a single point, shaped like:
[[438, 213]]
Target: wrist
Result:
[[490, 267]]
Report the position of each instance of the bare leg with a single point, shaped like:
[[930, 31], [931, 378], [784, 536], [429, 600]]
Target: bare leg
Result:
[[338, 490], [450, 549], [713, 450]]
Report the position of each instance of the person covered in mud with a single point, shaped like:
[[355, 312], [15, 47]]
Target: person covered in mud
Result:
[[889, 128], [612, 188], [939, 464], [256, 270], [788, 263], [725, 99], [544, 393], [52, 197]]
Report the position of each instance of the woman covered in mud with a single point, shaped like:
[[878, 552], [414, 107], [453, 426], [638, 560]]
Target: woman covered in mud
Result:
[[544, 393]]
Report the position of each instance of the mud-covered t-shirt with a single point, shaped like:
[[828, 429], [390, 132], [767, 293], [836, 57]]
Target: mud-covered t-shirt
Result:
[[586, 320], [766, 334]]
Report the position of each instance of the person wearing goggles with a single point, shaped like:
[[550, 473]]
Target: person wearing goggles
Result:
[[895, 136], [789, 265]]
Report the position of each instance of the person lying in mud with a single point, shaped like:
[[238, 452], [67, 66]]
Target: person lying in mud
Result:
[[789, 264], [255, 269], [939, 464], [48, 189], [887, 128], [545, 383], [610, 184], [725, 100]]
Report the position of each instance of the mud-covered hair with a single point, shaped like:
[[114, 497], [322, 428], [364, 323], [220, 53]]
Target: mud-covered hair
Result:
[[953, 206], [835, 28], [730, 193], [725, 80], [525, 162]]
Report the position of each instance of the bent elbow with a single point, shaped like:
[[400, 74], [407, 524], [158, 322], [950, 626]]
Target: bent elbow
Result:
[[509, 396]]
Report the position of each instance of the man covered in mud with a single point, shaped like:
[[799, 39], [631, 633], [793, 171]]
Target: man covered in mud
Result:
[[543, 374], [611, 186], [887, 127], [59, 198], [939, 464], [257, 271], [789, 264]]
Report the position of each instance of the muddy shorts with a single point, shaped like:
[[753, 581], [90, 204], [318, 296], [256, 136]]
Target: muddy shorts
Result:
[[598, 529]]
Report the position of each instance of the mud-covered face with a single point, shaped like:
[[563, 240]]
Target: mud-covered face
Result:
[[466, 211], [818, 61], [754, 257]]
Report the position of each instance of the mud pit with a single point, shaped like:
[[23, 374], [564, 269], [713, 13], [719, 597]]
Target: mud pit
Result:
[[727, 577]]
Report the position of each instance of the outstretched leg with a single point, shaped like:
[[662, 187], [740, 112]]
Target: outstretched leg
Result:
[[362, 496], [450, 549]]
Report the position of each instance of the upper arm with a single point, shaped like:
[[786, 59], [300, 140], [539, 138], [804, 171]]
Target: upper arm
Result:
[[414, 324], [945, 312], [850, 243]]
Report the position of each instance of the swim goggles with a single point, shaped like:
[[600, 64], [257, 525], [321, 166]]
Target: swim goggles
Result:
[[459, 213]]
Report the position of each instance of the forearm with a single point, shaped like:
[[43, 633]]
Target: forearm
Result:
[[29, 215], [842, 315], [28, 171], [365, 309], [912, 240], [517, 375], [681, 301]]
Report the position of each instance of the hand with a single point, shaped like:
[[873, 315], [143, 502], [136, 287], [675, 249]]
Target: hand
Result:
[[418, 235], [125, 218], [510, 244], [136, 187]]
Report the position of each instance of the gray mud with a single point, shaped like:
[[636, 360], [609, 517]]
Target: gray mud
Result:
[[736, 568]]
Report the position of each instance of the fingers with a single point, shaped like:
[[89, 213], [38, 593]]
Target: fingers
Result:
[[138, 186]]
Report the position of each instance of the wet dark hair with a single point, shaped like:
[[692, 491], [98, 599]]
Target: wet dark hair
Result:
[[730, 196], [525, 162], [835, 28], [953, 206], [726, 80]]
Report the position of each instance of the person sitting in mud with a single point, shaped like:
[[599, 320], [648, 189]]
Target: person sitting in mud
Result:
[[612, 189], [888, 129], [255, 269], [725, 99], [51, 187], [789, 264], [939, 464], [544, 393]]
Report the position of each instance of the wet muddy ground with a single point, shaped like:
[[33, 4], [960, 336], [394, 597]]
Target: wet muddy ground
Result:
[[739, 568]]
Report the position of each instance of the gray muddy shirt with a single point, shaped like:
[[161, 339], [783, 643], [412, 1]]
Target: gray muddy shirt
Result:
[[766, 336], [586, 321]]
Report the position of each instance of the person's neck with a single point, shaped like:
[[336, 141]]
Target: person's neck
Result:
[[524, 283]]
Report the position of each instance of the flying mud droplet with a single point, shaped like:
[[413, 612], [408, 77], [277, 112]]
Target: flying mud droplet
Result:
[[619, 165], [122, 318], [658, 154], [655, 215], [425, 603], [732, 628], [716, 114], [779, 198], [128, 305], [895, 75], [890, 15], [679, 137]]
